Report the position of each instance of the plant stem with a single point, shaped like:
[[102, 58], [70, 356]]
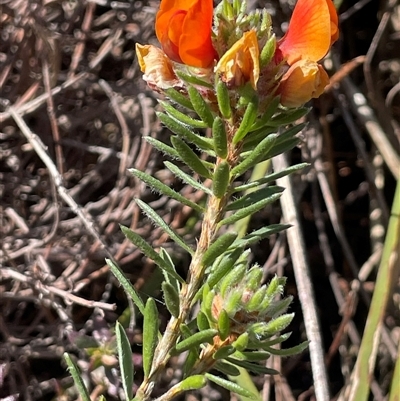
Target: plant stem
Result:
[[214, 213]]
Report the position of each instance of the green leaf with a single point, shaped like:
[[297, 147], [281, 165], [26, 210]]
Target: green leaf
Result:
[[278, 307], [206, 304], [179, 98], [164, 189], [280, 147], [226, 368], [254, 303], [127, 285], [268, 51], [283, 137], [202, 321], [187, 178], [241, 342], [231, 279], [276, 286], [200, 106], [248, 119], [253, 367], [185, 330], [190, 361], [221, 179], [288, 116], [224, 352], [171, 298], [151, 214], [167, 258], [224, 266], [234, 302], [274, 326], [204, 144], [181, 117], [256, 155], [224, 102], [268, 343], [268, 113], [254, 277], [250, 210], [231, 386], [192, 79], [224, 324], [220, 138], [190, 158], [192, 383], [252, 356], [147, 249], [254, 197], [125, 360], [288, 351], [254, 138], [76, 375], [150, 334], [257, 235], [271, 177], [205, 336], [162, 147], [219, 246]]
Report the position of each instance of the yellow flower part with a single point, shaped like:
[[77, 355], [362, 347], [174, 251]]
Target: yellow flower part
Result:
[[156, 66], [241, 64], [304, 80]]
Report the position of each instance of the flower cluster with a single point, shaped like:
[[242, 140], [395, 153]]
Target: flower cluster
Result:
[[241, 50]]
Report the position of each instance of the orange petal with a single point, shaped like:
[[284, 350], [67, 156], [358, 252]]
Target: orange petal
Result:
[[183, 28], [303, 81], [241, 64], [156, 66], [334, 22], [195, 47], [309, 32]]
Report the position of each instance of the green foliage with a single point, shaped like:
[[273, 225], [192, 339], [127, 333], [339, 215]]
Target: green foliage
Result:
[[171, 298], [125, 360], [163, 189], [201, 107], [249, 117], [179, 128], [220, 138], [256, 155], [190, 158], [150, 334], [164, 226], [224, 102], [128, 287], [76, 375], [204, 336], [137, 240], [268, 51], [231, 386], [218, 247], [221, 179], [187, 178], [193, 383]]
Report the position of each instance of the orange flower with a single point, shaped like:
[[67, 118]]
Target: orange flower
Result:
[[304, 80], [241, 64], [183, 28], [312, 30], [156, 66]]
